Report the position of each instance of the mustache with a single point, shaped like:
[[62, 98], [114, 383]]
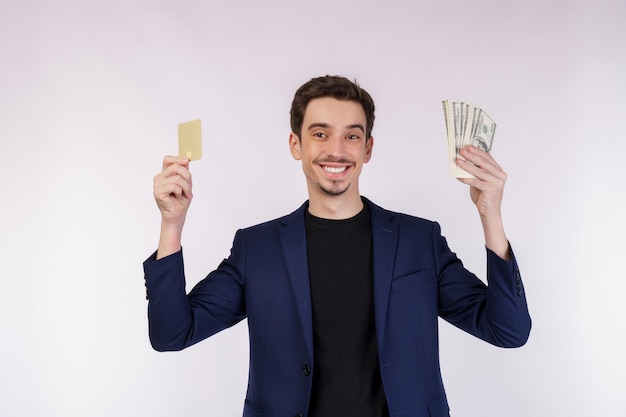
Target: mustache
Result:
[[331, 159]]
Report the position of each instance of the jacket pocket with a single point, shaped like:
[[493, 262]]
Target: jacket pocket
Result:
[[438, 407], [411, 280]]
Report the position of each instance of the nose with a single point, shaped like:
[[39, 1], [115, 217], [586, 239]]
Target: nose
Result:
[[336, 147]]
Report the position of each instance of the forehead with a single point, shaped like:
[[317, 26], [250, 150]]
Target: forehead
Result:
[[333, 112]]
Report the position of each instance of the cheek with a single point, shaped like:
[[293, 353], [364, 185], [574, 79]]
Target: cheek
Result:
[[363, 155]]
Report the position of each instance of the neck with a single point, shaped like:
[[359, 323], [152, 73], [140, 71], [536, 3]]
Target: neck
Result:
[[335, 207]]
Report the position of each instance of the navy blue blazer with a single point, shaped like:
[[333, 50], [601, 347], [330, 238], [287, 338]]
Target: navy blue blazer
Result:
[[265, 279]]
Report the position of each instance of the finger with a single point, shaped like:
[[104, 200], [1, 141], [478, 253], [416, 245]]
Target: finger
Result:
[[174, 184], [480, 164], [483, 180], [473, 150], [479, 157], [171, 159], [173, 169], [176, 170]]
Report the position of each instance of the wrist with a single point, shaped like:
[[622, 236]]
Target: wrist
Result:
[[495, 237], [170, 239]]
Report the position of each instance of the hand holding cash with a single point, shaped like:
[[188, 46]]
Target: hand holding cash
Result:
[[466, 125]]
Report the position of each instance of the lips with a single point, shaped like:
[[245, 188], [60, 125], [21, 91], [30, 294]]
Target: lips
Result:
[[334, 170]]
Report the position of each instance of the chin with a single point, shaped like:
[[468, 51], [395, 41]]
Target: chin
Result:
[[334, 191]]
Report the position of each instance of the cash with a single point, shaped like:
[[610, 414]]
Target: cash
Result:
[[466, 125]]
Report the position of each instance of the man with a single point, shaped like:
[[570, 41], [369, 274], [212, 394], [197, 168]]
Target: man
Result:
[[341, 296]]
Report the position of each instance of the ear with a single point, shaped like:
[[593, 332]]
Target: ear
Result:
[[295, 146], [369, 144]]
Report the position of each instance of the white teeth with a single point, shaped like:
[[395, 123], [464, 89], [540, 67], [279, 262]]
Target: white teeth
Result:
[[334, 170]]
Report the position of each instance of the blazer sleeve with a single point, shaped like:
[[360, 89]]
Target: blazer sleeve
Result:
[[496, 312], [177, 320]]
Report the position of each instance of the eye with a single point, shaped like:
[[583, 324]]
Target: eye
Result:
[[353, 137], [319, 134]]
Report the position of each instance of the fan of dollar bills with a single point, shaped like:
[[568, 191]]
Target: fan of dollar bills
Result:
[[466, 125]]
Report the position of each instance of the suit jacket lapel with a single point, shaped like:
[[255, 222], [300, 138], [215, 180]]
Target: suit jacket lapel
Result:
[[293, 240], [385, 241]]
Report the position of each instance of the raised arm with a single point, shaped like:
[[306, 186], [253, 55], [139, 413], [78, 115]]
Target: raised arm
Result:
[[177, 319], [486, 191]]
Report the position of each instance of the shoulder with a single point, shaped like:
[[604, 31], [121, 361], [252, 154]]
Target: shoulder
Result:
[[296, 217], [380, 214]]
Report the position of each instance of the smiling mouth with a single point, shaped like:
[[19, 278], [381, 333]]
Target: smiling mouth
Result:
[[334, 170]]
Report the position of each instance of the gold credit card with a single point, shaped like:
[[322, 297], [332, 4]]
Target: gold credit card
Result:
[[190, 140]]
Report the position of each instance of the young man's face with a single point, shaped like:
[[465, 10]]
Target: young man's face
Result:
[[333, 146]]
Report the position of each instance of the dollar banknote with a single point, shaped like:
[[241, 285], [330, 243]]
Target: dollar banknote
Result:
[[466, 125]]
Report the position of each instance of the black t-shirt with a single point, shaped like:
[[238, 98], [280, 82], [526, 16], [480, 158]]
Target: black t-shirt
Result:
[[346, 373]]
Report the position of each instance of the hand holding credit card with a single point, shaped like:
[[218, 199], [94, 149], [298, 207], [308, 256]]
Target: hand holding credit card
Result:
[[190, 140]]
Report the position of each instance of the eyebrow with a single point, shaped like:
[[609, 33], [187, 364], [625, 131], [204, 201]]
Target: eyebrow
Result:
[[326, 126]]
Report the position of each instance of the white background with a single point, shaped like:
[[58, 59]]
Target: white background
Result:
[[90, 97]]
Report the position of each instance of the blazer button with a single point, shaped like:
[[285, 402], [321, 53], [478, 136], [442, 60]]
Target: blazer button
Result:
[[306, 370]]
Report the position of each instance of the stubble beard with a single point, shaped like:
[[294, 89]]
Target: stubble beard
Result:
[[330, 191], [333, 192]]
